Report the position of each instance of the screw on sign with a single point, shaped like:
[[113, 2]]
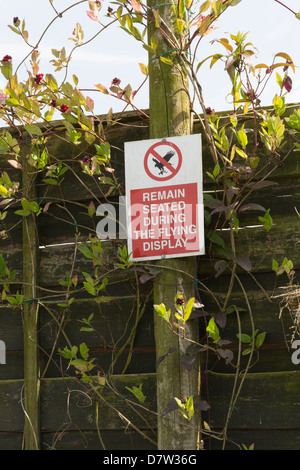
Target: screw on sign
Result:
[[162, 161]]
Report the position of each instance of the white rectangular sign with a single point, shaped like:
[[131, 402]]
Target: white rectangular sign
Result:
[[164, 198]]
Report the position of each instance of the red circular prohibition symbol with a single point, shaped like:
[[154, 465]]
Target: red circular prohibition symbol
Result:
[[161, 162]]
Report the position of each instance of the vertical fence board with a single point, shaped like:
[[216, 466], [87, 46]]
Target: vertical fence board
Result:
[[30, 313]]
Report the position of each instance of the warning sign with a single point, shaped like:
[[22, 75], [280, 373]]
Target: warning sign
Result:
[[162, 161], [164, 198]]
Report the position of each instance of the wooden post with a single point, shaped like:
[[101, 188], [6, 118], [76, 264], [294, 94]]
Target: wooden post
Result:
[[170, 116], [30, 317]]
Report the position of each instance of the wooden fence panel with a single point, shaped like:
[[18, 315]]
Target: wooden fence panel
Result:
[[266, 411]]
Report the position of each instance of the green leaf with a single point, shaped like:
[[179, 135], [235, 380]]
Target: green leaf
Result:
[[22, 212], [260, 339], [15, 301], [246, 351], [279, 105], [162, 311], [33, 129], [275, 265], [3, 190], [144, 69], [246, 339], [137, 392], [34, 206], [242, 137], [241, 153], [68, 353], [181, 7], [87, 253], [180, 24], [213, 330], [217, 170], [6, 71], [215, 238], [266, 220], [15, 30], [90, 288], [84, 351], [12, 102], [188, 308], [205, 6], [165, 60], [50, 181]]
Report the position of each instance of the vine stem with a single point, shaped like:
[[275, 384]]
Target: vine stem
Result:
[[234, 399], [59, 15], [285, 6]]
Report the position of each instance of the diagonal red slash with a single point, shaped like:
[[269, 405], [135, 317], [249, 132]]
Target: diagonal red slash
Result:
[[151, 152], [161, 160]]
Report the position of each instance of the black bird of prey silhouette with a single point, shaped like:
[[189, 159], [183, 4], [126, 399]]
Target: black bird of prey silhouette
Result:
[[160, 165]]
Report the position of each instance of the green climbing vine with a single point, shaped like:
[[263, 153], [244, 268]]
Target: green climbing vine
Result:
[[246, 146]]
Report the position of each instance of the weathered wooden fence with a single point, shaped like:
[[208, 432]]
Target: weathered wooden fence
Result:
[[267, 410]]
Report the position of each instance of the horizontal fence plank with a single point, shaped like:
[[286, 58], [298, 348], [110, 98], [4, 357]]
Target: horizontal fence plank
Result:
[[11, 396], [11, 441], [267, 400], [89, 440], [262, 439], [132, 361], [270, 358], [265, 315], [73, 406], [61, 222], [113, 322], [260, 246]]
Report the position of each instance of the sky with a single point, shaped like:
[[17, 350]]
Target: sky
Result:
[[271, 28]]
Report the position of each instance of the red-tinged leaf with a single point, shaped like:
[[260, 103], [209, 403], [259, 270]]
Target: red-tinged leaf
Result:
[[15, 164], [201, 405], [287, 84], [226, 209], [160, 359], [226, 354], [115, 89], [261, 66], [109, 170], [5, 201], [213, 203], [47, 206], [244, 262], [101, 88], [262, 184], [92, 15], [252, 207], [90, 103], [172, 405], [220, 267], [136, 6], [287, 58], [145, 277], [132, 95], [220, 319]]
